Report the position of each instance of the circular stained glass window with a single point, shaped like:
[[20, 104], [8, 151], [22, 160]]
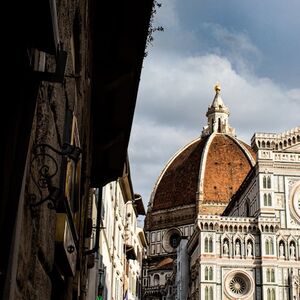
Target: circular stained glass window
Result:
[[174, 239], [239, 284], [171, 240], [295, 201]]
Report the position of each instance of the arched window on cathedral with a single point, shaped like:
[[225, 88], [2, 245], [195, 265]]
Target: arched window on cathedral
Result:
[[208, 244], [208, 273], [219, 125], [269, 200], [264, 182], [156, 279], [271, 294], [269, 182], [270, 275], [209, 293], [269, 246]]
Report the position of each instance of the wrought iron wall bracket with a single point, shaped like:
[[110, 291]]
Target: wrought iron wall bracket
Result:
[[43, 169]]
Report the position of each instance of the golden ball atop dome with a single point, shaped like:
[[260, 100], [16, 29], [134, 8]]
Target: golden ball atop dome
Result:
[[217, 88]]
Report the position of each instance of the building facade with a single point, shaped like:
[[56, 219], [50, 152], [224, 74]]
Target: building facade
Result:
[[121, 244], [239, 213], [72, 71]]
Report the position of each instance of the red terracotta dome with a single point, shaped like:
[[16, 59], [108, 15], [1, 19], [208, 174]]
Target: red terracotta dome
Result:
[[208, 171]]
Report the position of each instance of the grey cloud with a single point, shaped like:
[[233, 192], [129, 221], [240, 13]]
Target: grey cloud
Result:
[[172, 102]]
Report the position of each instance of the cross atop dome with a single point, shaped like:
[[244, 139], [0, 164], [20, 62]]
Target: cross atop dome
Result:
[[217, 116]]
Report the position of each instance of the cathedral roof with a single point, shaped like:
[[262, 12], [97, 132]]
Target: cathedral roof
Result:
[[166, 263], [209, 170]]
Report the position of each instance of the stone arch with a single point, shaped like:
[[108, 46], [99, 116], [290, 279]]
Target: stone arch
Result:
[[292, 248], [281, 246]]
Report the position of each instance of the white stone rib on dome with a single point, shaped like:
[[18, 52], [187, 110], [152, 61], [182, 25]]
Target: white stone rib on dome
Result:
[[202, 163]]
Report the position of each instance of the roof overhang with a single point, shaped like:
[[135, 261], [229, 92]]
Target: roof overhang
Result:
[[119, 37]]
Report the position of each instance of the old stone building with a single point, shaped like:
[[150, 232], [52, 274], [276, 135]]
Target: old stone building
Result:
[[118, 267], [71, 72], [228, 211]]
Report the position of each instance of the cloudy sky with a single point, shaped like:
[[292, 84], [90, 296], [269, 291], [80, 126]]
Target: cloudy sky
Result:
[[251, 47]]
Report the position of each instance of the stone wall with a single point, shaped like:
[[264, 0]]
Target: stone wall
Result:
[[40, 272]]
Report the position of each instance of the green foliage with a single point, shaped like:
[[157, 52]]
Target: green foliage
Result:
[[152, 28]]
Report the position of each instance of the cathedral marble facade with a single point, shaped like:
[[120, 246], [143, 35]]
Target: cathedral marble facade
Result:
[[239, 234]]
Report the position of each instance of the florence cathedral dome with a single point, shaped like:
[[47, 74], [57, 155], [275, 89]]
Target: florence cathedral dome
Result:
[[202, 176]]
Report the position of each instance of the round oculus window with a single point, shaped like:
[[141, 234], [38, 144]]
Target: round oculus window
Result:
[[238, 284], [295, 201], [174, 239], [171, 240]]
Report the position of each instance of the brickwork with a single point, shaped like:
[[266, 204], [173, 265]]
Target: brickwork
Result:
[[175, 188], [226, 168]]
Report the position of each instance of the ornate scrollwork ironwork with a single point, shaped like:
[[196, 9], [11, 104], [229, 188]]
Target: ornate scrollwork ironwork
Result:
[[43, 169]]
